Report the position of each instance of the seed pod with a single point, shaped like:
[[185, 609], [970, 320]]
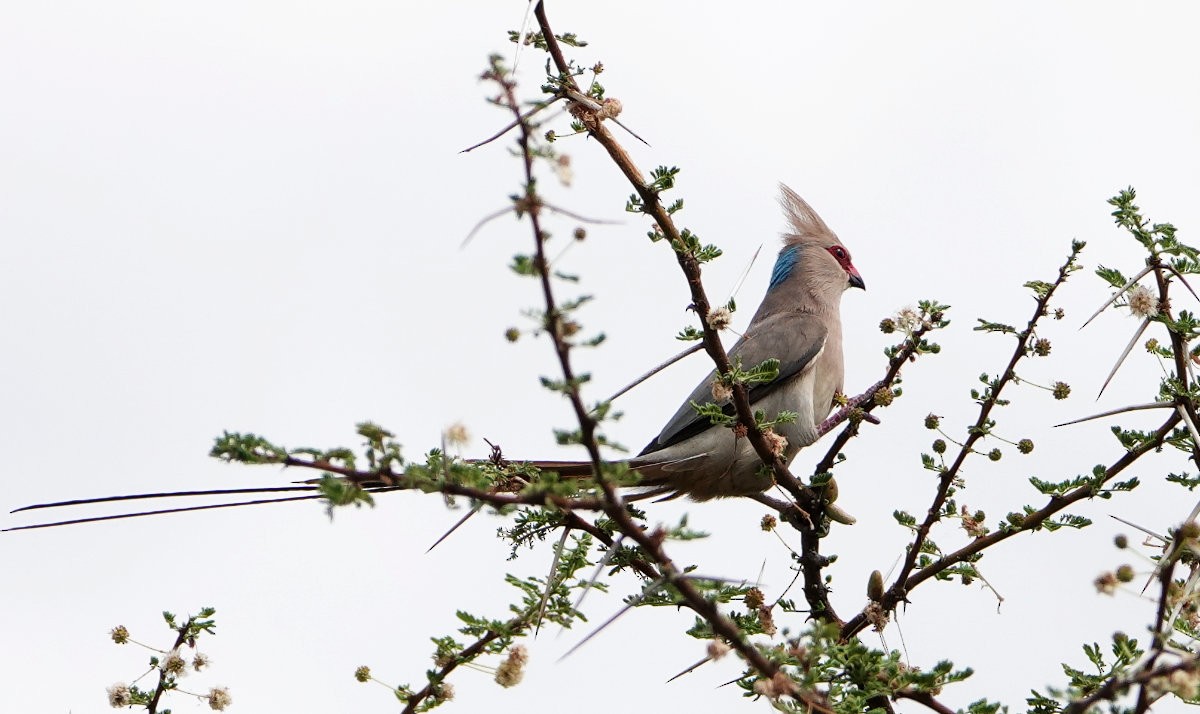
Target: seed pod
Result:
[[831, 491], [875, 586]]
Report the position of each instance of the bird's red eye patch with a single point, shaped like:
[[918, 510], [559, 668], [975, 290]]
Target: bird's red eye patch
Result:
[[841, 255]]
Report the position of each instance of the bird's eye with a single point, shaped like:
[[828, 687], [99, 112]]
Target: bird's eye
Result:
[[839, 252]]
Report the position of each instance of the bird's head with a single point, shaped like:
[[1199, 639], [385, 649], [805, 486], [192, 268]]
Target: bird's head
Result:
[[812, 248]]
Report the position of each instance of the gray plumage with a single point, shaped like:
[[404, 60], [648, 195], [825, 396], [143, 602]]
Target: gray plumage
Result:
[[798, 323]]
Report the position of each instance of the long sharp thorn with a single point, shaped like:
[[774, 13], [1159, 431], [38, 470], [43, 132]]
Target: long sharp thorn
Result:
[[1184, 281], [550, 580], [1134, 525], [521, 35], [1158, 568], [1195, 438], [608, 556], [96, 519], [631, 132], [592, 104], [1117, 294], [1120, 410], [1136, 336], [694, 348], [689, 669], [624, 609], [165, 494], [745, 273], [474, 509]]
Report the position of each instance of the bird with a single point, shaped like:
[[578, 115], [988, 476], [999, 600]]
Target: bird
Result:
[[798, 323]]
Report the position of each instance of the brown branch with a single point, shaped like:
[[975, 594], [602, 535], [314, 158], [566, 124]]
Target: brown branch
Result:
[[899, 590], [816, 593], [1179, 351], [1031, 522], [687, 262], [1116, 686], [183, 636], [466, 655], [924, 698]]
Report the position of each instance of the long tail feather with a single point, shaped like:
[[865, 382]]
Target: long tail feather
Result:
[[119, 516], [165, 494], [565, 468]]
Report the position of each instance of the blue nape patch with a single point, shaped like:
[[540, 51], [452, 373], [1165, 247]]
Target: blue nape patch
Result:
[[787, 260]]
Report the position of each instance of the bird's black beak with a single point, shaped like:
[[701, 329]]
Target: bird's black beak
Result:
[[856, 280]]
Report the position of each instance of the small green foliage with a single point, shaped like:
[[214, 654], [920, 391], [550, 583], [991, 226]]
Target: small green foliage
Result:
[[1040, 288], [341, 492], [766, 371], [1156, 238], [682, 532], [634, 205], [986, 326], [566, 386], [689, 244], [718, 414], [662, 179], [525, 265], [1188, 482], [247, 449], [538, 40], [983, 706], [530, 525], [1112, 276], [1061, 488]]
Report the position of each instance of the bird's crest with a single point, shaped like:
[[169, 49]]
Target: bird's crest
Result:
[[802, 219]]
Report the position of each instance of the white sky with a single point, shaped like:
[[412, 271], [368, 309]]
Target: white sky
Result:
[[248, 216]]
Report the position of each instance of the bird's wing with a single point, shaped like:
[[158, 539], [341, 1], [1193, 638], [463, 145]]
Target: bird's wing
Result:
[[795, 339]]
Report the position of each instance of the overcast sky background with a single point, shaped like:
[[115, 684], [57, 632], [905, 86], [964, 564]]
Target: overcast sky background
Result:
[[248, 216]]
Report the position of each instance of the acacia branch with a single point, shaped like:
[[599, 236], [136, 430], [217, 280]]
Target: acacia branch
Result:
[[650, 543], [688, 263], [898, 591]]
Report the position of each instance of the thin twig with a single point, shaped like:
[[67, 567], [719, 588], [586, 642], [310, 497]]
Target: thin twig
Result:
[[513, 124]]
